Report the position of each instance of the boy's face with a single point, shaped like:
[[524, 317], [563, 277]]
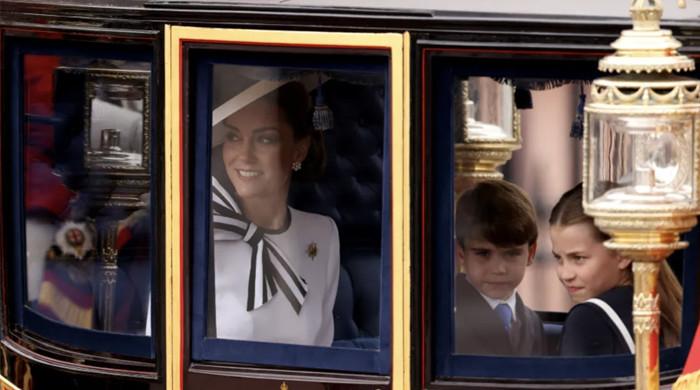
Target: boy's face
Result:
[[495, 271]]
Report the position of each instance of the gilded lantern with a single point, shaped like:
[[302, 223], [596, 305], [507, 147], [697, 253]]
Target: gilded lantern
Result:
[[641, 164], [488, 128], [641, 160]]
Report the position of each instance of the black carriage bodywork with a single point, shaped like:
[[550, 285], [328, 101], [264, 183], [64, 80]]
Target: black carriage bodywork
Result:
[[440, 42]]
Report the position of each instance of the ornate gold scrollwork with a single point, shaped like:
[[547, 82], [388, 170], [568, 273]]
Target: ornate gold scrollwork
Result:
[[646, 303], [646, 324], [675, 91], [644, 267]]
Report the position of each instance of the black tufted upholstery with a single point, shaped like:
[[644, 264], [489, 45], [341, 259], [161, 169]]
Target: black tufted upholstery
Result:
[[350, 192]]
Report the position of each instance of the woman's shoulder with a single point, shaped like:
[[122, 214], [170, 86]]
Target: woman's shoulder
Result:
[[310, 220]]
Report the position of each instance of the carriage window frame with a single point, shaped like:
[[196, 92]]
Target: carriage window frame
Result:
[[380, 361], [23, 321], [443, 68]]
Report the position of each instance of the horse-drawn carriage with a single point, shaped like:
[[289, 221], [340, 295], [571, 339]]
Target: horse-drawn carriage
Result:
[[110, 112]]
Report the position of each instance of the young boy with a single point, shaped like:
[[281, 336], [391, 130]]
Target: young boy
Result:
[[496, 235]]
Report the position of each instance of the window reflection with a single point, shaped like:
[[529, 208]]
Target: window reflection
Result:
[[87, 229], [488, 110], [115, 117], [544, 177]]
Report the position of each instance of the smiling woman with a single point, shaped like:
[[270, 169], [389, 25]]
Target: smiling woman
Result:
[[261, 149], [268, 285]]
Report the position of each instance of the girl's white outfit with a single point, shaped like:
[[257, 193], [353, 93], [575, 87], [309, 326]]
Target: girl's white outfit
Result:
[[311, 246]]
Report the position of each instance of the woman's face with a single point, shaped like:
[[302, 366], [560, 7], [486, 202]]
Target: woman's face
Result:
[[584, 266], [259, 149]]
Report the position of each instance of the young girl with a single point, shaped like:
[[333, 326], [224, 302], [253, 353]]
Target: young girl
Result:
[[599, 279]]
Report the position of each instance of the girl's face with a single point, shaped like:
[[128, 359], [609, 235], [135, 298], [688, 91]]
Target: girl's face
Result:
[[259, 149], [584, 266]]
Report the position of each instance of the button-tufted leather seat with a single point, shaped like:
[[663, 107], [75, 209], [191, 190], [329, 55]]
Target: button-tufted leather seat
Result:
[[350, 192]]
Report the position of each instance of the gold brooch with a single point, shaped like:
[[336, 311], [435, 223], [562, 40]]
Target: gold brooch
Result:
[[312, 250]]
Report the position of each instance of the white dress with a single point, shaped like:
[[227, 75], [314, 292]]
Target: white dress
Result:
[[276, 321]]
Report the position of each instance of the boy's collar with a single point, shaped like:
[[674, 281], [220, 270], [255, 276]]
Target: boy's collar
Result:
[[511, 301]]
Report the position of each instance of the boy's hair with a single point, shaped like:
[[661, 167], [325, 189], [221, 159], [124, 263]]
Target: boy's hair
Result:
[[496, 211]]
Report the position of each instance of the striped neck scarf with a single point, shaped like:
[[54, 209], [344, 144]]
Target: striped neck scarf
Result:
[[270, 270]]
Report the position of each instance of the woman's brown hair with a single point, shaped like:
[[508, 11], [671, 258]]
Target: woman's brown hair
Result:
[[294, 101], [569, 211]]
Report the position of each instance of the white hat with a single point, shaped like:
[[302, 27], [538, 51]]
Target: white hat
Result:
[[268, 80]]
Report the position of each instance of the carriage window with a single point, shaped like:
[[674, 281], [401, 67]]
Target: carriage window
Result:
[[83, 182], [283, 173], [291, 210], [528, 273]]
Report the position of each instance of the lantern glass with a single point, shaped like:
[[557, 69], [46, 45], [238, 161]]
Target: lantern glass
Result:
[[488, 110], [641, 160]]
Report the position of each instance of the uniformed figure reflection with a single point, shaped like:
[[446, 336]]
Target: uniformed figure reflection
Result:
[[275, 268], [496, 240], [68, 291], [65, 292], [61, 218]]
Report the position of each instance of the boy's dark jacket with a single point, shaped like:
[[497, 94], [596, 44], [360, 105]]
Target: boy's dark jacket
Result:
[[479, 331]]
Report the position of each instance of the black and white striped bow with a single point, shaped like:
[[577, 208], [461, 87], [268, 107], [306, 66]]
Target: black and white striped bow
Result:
[[269, 268]]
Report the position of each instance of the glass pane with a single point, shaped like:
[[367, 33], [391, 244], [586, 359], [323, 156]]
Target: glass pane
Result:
[[522, 285], [297, 178], [487, 112], [116, 142], [86, 191], [642, 159]]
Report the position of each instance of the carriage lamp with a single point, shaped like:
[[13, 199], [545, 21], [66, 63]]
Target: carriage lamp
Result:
[[488, 130], [115, 171], [641, 163]]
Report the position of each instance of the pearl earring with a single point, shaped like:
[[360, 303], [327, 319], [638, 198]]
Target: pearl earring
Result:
[[296, 166]]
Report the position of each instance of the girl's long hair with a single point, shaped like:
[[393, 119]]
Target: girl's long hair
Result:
[[569, 211]]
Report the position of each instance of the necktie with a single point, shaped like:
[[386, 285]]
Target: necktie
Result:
[[270, 270], [505, 314]]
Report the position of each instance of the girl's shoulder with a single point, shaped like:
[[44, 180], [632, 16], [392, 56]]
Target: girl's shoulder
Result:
[[589, 314], [585, 313], [617, 293]]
